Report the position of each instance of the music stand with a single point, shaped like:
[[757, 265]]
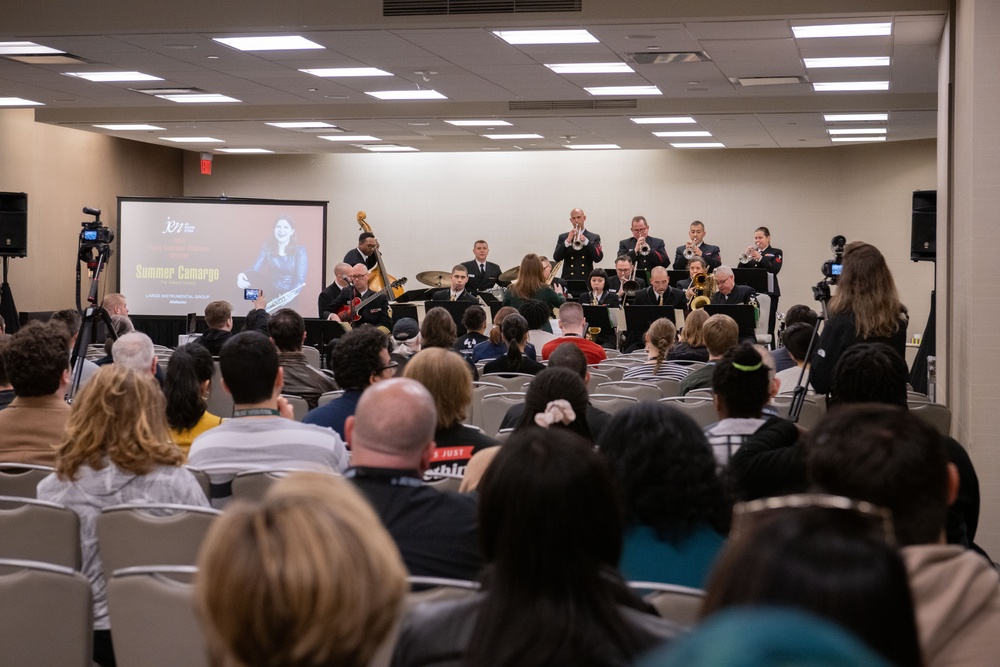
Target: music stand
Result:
[[577, 287], [422, 294], [456, 309], [638, 318], [743, 313], [600, 317], [676, 275], [401, 310], [761, 280]]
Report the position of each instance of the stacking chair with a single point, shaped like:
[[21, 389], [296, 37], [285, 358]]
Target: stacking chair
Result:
[[153, 616], [204, 481], [253, 484], [644, 391], [763, 317], [21, 479], [46, 615], [299, 406], [509, 381], [935, 414], [328, 396], [480, 389], [679, 604], [220, 401], [612, 403], [493, 407], [668, 386], [700, 409], [312, 355], [614, 371], [812, 410], [36, 530], [596, 379], [160, 534]]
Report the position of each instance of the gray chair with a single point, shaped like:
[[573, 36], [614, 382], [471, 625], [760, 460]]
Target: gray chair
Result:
[[613, 371], [299, 406], [204, 481], [509, 381], [596, 379], [36, 530], [812, 411], [679, 604], [312, 355], [156, 534], [644, 391], [253, 484], [700, 409], [446, 482], [493, 407], [613, 403], [21, 479], [668, 387], [935, 414], [46, 615], [328, 396], [480, 389], [220, 401], [153, 614]]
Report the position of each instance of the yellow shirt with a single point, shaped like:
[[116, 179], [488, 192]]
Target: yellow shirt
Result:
[[183, 439]]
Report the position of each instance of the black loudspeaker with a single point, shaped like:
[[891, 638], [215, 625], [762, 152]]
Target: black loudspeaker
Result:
[[13, 224], [923, 232]]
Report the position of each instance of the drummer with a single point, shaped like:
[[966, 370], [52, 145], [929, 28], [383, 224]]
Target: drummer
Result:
[[457, 291], [483, 275]]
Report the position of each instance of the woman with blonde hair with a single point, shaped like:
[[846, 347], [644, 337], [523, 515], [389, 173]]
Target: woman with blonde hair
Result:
[[660, 338], [116, 450], [531, 285], [865, 309], [307, 577], [446, 376], [691, 346]]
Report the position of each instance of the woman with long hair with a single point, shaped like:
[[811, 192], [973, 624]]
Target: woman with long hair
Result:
[[551, 529], [281, 265], [660, 337], [116, 450], [187, 387], [556, 398], [531, 285], [676, 507], [691, 346], [865, 308], [495, 347], [515, 335]]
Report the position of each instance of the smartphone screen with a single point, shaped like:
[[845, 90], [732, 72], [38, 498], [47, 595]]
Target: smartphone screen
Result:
[[251, 294]]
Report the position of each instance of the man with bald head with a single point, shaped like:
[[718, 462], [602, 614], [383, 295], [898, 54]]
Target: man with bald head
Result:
[[391, 435], [375, 312], [341, 279], [578, 262]]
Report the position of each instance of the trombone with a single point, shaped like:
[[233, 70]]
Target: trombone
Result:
[[629, 287]]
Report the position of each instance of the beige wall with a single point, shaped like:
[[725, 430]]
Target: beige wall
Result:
[[62, 171]]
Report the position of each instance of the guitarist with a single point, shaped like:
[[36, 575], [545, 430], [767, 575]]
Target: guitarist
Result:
[[345, 306]]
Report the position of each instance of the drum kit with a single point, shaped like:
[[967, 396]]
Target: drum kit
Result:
[[441, 279]]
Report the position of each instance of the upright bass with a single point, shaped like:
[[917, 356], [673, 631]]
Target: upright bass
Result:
[[379, 278]]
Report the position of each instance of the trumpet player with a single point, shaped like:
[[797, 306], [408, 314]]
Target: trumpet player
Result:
[[696, 247], [644, 250], [761, 255], [578, 249]]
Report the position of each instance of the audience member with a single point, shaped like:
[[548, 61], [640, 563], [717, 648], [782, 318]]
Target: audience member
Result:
[[115, 304], [882, 454], [659, 339], [73, 320], [219, 318], [676, 508], [474, 321], [392, 444], [794, 315], [405, 342], [262, 433], [796, 338], [121, 325], [116, 450], [573, 325], [495, 347], [360, 359], [721, 333], [6, 389], [538, 315], [552, 534], [135, 350], [557, 397], [187, 387], [438, 330], [515, 335], [308, 576], [38, 370], [257, 320], [691, 346], [287, 330]]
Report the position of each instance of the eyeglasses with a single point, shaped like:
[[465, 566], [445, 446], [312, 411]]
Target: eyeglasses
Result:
[[360, 275], [389, 366], [745, 513]]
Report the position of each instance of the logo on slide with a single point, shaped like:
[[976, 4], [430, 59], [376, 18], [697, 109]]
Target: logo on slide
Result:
[[174, 227]]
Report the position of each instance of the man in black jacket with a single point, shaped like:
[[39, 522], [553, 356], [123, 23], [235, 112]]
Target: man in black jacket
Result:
[[483, 275]]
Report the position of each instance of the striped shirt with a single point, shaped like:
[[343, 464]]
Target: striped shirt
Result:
[[667, 370]]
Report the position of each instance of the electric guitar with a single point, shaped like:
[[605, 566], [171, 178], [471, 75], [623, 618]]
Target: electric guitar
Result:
[[350, 312]]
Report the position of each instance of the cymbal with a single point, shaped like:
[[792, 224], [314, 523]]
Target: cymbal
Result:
[[434, 278], [509, 275]]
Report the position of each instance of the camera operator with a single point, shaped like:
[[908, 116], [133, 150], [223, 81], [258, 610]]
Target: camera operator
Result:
[[865, 309]]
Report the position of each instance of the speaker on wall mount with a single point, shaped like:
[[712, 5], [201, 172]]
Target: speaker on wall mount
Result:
[[923, 231], [13, 224]]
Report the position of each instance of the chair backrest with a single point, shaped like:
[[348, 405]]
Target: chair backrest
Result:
[[312, 355], [46, 615], [35, 530], [253, 484], [644, 391], [204, 481], [220, 401], [612, 403], [328, 396], [679, 604], [493, 407], [509, 381], [935, 414], [614, 371], [810, 415], [473, 415], [763, 318], [704, 392], [701, 410], [21, 479], [156, 534], [154, 618], [299, 406], [668, 386], [596, 379]]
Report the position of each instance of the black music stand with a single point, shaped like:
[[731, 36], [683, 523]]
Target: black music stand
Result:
[[744, 314], [401, 310], [577, 287], [676, 275], [456, 309], [761, 280], [422, 294], [600, 317], [638, 319]]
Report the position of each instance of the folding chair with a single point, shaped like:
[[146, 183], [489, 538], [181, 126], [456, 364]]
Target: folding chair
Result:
[[701, 410], [21, 479], [612, 403], [679, 604], [644, 391], [36, 530], [493, 407], [328, 396], [299, 406]]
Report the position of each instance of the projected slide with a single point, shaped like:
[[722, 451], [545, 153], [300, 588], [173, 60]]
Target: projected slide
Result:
[[176, 255]]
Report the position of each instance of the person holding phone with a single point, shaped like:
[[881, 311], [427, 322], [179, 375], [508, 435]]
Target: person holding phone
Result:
[[281, 266]]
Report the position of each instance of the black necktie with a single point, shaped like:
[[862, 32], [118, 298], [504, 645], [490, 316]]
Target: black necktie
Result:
[[482, 269]]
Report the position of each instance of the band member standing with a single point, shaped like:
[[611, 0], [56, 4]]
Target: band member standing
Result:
[[651, 250], [763, 256], [598, 295], [710, 253], [483, 275], [578, 249], [341, 279], [457, 291], [623, 273], [375, 313], [364, 253]]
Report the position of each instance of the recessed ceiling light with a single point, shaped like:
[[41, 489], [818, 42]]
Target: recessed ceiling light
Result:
[[301, 124], [18, 102], [624, 90], [269, 43], [193, 140], [349, 137], [138, 127], [842, 30], [545, 36], [846, 117], [591, 68], [346, 71], [513, 136], [106, 77], [698, 145], [204, 98], [692, 133], [858, 130], [390, 149], [477, 123], [855, 139], [25, 49], [406, 94], [875, 61], [244, 150], [662, 121], [592, 147], [835, 86]]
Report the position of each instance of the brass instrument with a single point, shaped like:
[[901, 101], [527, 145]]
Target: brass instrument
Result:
[[642, 248], [577, 238], [689, 251], [704, 287], [552, 272], [747, 254], [629, 287], [592, 332]]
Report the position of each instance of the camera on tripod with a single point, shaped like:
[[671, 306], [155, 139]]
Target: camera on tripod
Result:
[[831, 270], [94, 236]]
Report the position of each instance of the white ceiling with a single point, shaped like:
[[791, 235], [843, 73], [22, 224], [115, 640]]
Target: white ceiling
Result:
[[481, 75]]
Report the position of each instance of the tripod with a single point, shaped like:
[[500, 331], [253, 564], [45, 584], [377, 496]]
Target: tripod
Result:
[[96, 256], [821, 291]]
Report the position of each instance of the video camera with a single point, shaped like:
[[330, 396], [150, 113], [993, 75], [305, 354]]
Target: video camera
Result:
[[94, 237], [831, 270]]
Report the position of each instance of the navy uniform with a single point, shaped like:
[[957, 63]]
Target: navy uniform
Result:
[[607, 299], [482, 279], [375, 313], [657, 256], [614, 284], [740, 294], [710, 253], [770, 261], [577, 264], [326, 297], [445, 295], [354, 256], [672, 297]]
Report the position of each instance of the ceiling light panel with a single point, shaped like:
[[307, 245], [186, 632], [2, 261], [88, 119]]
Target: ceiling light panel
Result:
[[193, 140], [698, 145], [853, 117], [842, 30], [406, 94], [269, 43], [25, 49], [134, 127], [663, 120], [333, 72], [513, 136], [244, 151], [478, 123], [692, 133], [390, 149], [853, 61], [110, 77], [592, 147], [349, 137], [858, 130], [301, 125], [591, 68], [519, 37], [841, 86], [18, 102], [624, 90], [208, 98], [855, 139]]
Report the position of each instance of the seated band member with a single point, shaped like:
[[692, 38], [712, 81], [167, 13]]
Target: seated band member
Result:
[[651, 253], [457, 291], [375, 312], [364, 253], [729, 293], [578, 249], [341, 279], [623, 273], [696, 265], [710, 253], [598, 295], [659, 292], [483, 275], [557, 284]]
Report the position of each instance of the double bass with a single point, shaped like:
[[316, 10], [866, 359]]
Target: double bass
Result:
[[379, 278]]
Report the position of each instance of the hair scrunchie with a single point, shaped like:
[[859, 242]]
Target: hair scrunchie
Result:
[[557, 411]]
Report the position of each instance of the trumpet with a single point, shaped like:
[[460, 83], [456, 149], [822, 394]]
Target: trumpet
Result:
[[642, 248], [689, 251], [578, 239], [748, 254]]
